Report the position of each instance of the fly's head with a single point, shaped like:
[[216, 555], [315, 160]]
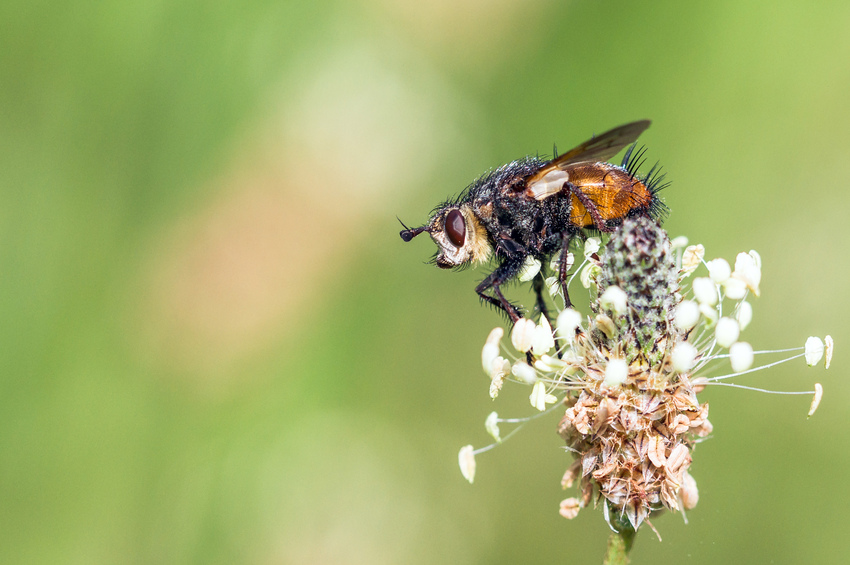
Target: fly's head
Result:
[[458, 233]]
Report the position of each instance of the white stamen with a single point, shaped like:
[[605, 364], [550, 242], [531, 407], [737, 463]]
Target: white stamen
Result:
[[588, 275], [529, 269], [679, 242], [524, 372], [709, 313], [614, 300], [548, 364], [691, 259], [689, 492], [540, 398], [553, 286], [607, 325], [745, 314], [569, 508], [828, 350], [814, 351], [543, 339], [491, 350], [705, 291], [719, 270], [687, 315], [568, 322], [735, 289], [466, 460], [748, 269], [496, 386], [727, 332], [741, 356], [591, 246], [495, 336], [499, 368], [616, 372], [491, 424], [498, 372], [684, 356], [816, 399], [523, 334]]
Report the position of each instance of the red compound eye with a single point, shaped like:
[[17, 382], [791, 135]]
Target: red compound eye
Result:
[[456, 228]]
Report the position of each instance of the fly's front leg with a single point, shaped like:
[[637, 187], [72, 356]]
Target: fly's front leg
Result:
[[503, 273]]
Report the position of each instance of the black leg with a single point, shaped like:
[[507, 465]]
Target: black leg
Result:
[[501, 303], [503, 273], [539, 284], [562, 268], [590, 206]]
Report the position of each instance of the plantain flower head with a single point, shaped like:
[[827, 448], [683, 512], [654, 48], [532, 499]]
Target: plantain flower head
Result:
[[627, 375]]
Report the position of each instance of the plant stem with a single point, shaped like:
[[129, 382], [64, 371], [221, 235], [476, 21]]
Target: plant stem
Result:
[[619, 545]]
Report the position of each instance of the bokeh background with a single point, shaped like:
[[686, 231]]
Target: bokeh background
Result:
[[216, 349]]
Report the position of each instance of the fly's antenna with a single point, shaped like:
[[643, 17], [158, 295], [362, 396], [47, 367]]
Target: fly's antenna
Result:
[[409, 233]]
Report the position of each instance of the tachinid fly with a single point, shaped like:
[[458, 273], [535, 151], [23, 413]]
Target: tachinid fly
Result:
[[534, 208]]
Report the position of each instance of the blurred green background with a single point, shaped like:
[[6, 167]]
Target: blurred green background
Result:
[[216, 349]]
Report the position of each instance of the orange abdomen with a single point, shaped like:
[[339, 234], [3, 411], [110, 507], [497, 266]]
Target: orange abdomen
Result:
[[614, 192]]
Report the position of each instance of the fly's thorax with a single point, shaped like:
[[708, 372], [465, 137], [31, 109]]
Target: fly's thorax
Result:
[[460, 235], [536, 226]]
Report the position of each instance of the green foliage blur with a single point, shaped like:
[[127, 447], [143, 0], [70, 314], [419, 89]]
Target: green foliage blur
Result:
[[216, 349]]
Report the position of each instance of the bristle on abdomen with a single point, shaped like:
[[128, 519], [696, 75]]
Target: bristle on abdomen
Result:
[[653, 180]]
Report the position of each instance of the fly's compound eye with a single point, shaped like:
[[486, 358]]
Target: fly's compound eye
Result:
[[456, 228]]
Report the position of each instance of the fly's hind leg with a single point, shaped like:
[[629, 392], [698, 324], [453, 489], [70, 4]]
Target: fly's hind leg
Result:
[[539, 284], [564, 266], [589, 205]]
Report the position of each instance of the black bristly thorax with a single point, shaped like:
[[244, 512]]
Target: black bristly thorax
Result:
[[515, 223]]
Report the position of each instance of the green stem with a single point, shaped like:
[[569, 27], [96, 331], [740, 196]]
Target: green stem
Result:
[[619, 545]]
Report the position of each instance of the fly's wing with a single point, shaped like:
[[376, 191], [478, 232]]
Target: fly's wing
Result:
[[551, 178]]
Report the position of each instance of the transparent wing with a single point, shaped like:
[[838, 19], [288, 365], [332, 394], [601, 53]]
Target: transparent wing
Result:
[[600, 148]]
